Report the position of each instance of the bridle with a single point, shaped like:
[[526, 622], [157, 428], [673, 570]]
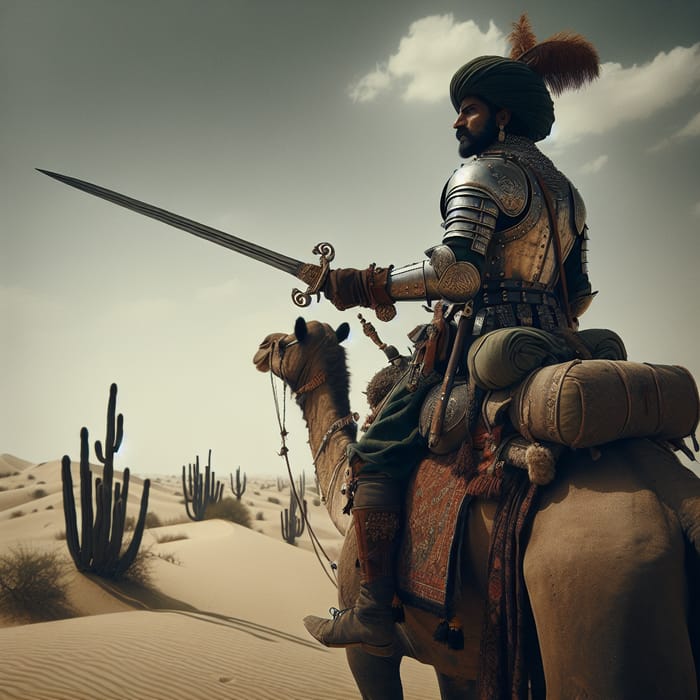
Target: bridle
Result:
[[278, 349]]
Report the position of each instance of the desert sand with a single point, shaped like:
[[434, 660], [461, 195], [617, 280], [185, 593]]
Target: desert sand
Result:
[[221, 619]]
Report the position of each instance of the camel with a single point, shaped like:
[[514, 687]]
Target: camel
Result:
[[605, 565]]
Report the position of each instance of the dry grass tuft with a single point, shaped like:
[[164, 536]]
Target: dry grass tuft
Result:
[[33, 586], [229, 509]]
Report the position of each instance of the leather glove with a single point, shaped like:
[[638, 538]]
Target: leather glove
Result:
[[348, 287]]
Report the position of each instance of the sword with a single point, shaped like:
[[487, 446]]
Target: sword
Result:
[[312, 275]]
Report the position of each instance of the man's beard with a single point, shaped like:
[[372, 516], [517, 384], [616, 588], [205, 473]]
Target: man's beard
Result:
[[474, 144]]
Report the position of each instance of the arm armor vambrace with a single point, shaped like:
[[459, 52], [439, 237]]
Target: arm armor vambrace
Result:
[[441, 277]]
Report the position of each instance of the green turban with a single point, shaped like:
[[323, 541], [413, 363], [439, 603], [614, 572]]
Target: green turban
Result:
[[509, 84]]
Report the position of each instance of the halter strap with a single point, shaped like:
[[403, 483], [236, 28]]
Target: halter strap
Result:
[[334, 427], [312, 384]]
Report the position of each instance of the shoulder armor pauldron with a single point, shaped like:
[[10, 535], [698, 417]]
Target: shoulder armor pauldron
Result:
[[501, 179]]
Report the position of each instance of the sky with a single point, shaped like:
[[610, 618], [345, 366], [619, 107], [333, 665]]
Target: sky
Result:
[[291, 123]]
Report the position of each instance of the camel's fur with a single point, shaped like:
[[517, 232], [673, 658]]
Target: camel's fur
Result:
[[605, 565]]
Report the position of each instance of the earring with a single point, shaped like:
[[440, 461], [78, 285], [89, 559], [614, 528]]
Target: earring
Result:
[[501, 133]]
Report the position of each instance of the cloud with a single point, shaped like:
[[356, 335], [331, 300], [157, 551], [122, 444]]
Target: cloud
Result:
[[690, 130], [427, 57], [622, 95], [596, 165], [437, 45]]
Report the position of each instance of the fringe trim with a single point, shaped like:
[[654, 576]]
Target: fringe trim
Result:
[[450, 632]]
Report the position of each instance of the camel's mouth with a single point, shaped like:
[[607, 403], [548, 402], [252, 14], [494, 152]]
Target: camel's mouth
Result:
[[261, 359]]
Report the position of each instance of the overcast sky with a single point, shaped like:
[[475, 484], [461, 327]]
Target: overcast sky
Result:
[[290, 123]]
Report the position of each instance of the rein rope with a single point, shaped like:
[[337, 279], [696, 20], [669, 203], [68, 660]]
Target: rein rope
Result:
[[284, 453]]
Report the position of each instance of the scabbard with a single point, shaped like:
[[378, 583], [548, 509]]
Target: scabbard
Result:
[[464, 325]]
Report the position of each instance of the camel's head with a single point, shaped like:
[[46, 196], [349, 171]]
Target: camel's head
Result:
[[300, 357]]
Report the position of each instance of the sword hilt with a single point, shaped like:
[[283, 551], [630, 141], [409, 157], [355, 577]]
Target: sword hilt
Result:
[[314, 275]]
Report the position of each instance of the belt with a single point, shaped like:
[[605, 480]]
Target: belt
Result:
[[522, 296]]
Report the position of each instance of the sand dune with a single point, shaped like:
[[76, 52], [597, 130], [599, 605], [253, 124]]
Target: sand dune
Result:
[[223, 618]]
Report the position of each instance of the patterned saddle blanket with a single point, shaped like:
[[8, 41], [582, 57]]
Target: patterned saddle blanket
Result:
[[435, 524], [437, 505]]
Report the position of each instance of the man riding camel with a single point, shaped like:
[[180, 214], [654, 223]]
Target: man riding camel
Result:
[[512, 255]]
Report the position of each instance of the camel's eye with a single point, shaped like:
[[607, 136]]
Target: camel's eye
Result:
[[284, 345]]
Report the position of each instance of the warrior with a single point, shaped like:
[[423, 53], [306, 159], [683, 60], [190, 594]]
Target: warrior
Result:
[[513, 255]]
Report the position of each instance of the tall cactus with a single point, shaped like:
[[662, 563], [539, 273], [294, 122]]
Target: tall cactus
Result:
[[239, 488], [291, 524], [98, 548], [200, 491]]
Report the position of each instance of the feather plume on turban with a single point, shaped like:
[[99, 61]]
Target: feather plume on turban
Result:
[[520, 83]]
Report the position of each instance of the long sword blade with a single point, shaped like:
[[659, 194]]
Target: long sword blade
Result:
[[251, 250]]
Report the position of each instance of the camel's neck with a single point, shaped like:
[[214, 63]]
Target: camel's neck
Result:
[[331, 430]]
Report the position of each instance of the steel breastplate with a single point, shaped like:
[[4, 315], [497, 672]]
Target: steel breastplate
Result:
[[523, 249]]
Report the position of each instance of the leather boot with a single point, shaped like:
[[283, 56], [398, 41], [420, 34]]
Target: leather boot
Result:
[[369, 623]]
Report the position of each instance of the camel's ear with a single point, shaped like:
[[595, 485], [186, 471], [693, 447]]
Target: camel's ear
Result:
[[343, 331], [300, 329]]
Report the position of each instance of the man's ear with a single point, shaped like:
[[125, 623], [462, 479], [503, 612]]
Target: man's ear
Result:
[[503, 116]]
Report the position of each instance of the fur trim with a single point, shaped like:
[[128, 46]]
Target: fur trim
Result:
[[541, 464]]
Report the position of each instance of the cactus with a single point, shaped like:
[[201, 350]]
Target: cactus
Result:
[[293, 526], [200, 492], [98, 547], [238, 489]]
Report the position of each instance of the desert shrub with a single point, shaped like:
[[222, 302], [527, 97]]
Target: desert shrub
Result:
[[170, 558], [129, 523], [152, 520], [274, 499], [171, 537], [316, 501], [39, 493], [20, 486], [16, 514], [229, 509], [260, 515], [33, 586], [3, 488], [140, 571], [49, 507], [61, 535], [30, 477]]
